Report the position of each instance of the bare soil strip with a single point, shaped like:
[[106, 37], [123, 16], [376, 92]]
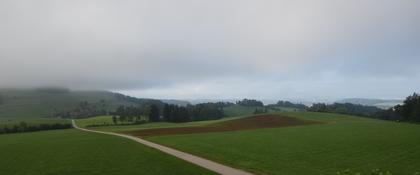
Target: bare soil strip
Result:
[[249, 123], [205, 163]]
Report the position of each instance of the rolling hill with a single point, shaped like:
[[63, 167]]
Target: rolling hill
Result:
[[45, 102]]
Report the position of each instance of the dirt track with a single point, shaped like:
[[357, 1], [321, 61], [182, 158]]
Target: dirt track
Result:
[[205, 163], [255, 122]]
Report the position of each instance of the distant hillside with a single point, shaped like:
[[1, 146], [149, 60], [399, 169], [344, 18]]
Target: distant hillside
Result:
[[176, 102], [36, 103], [380, 103]]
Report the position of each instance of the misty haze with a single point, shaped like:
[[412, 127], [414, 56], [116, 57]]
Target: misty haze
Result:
[[233, 87]]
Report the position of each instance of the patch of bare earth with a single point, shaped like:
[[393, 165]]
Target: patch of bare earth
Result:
[[249, 123]]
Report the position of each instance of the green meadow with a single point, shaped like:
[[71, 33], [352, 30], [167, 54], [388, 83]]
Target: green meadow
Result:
[[343, 142], [107, 120], [70, 152]]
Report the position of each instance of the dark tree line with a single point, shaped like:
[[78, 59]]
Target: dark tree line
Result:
[[346, 108], [135, 115], [154, 115], [174, 113], [289, 104], [129, 114], [169, 113], [409, 111], [250, 102], [24, 127], [198, 112]]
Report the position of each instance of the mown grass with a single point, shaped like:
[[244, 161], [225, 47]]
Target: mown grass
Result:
[[345, 142], [70, 152], [119, 128]]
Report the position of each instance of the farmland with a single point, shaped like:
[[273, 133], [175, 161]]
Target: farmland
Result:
[[68, 152], [274, 143], [118, 128], [248, 123], [345, 142]]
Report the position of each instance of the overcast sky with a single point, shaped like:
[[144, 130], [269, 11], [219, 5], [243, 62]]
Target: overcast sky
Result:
[[186, 49]]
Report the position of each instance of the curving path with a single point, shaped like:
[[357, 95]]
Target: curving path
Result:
[[205, 163]]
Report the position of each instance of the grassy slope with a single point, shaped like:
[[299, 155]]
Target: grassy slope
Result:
[[108, 119], [237, 110], [36, 104], [69, 152], [346, 142]]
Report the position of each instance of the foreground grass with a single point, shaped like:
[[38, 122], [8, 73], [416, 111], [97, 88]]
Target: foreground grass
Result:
[[345, 142], [69, 152]]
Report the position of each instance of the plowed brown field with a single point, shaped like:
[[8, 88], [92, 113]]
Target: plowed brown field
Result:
[[249, 123]]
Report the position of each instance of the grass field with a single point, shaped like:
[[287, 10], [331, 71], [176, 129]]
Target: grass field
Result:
[[345, 142], [69, 152], [108, 119], [247, 123]]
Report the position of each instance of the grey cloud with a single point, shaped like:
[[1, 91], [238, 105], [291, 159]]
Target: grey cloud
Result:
[[154, 45]]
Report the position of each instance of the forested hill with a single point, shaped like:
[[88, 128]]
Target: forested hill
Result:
[[54, 102]]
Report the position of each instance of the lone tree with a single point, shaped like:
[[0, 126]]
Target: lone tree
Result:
[[154, 113]]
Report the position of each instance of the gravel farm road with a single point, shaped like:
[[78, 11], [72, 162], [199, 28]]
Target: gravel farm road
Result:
[[205, 163]]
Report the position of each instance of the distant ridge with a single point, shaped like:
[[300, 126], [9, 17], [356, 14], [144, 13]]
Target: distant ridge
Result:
[[380, 103], [176, 102], [44, 102]]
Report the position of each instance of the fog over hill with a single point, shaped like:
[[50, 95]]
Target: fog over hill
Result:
[[381, 103], [229, 49]]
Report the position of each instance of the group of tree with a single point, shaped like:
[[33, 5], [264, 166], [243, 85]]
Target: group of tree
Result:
[[24, 127], [250, 102], [136, 115], [409, 111], [169, 113], [175, 113], [288, 104], [130, 114], [198, 112], [346, 108]]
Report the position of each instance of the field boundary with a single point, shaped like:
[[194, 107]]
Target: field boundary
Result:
[[202, 162]]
